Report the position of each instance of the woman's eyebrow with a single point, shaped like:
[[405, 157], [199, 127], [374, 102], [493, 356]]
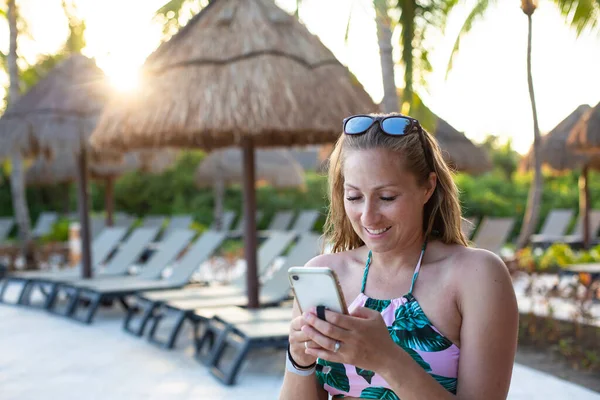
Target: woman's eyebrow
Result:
[[390, 185]]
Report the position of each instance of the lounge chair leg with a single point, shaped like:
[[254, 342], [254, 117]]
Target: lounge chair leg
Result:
[[95, 299], [148, 308], [3, 289], [180, 318], [72, 298], [209, 345], [25, 295], [242, 346]]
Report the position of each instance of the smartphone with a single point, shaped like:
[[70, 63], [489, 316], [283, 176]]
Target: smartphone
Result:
[[317, 287]]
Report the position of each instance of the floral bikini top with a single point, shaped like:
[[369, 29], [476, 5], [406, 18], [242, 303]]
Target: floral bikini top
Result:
[[410, 329]]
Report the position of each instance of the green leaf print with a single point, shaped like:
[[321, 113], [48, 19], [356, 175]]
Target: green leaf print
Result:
[[365, 373], [448, 383], [333, 374], [409, 317], [415, 356], [411, 328], [377, 305], [378, 393], [424, 339]]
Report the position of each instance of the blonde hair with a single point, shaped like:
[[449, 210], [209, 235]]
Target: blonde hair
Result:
[[422, 155]]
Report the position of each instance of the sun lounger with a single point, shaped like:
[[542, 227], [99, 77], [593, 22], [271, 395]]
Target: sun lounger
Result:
[[6, 224], [306, 221], [44, 224], [468, 225], [554, 228], [227, 220], [242, 337], [102, 247], [281, 221], [118, 265], [153, 221], [493, 233], [180, 305], [177, 222], [95, 293], [576, 237], [242, 223]]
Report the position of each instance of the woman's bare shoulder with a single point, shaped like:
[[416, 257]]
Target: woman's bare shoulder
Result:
[[336, 261]]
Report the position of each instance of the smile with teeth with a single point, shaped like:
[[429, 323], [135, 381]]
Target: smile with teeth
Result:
[[377, 231]]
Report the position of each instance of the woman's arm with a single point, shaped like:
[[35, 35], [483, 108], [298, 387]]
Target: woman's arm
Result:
[[296, 386], [488, 338]]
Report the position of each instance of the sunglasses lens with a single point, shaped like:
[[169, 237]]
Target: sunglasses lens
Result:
[[396, 126], [357, 125]]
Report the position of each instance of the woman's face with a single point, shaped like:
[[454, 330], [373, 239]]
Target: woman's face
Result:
[[382, 199]]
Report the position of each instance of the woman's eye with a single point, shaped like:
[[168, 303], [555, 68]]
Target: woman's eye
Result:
[[352, 198], [392, 198]]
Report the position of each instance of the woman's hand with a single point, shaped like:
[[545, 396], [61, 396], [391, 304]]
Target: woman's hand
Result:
[[363, 338], [299, 342]]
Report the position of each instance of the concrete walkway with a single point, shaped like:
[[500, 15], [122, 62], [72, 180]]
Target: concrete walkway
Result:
[[45, 356]]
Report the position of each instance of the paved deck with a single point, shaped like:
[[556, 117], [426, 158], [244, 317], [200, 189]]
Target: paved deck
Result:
[[46, 356]]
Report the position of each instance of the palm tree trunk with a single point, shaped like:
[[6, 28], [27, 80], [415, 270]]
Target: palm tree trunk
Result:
[[384, 37], [17, 183], [532, 213]]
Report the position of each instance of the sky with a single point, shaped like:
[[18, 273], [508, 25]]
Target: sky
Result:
[[485, 93]]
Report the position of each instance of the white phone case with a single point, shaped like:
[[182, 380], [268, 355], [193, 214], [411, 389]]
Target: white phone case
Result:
[[317, 287]]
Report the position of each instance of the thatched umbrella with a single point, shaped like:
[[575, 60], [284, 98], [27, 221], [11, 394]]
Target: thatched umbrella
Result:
[[559, 157], [224, 167], [63, 169], [459, 152], [585, 136], [584, 139], [241, 73], [58, 115]]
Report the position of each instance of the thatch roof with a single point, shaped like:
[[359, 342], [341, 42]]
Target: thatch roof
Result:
[[63, 167], [459, 151], [585, 136], [239, 68], [277, 167], [555, 152], [58, 114]]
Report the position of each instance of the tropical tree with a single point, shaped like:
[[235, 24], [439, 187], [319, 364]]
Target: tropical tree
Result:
[[17, 183], [580, 15]]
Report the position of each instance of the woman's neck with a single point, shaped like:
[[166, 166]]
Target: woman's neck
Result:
[[401, 258]]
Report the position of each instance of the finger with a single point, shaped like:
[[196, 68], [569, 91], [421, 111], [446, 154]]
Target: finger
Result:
[[302, 341], [325, 354], [320, 339], [326, 328], [343, 321], [364, 312], [298, 323]]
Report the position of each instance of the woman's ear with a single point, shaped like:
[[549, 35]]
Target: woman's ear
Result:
[[430, 186]]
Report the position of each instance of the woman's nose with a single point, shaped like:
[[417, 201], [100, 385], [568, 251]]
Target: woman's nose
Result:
[[370, 214]]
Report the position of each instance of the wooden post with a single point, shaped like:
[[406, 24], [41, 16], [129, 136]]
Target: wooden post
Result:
[[250, 242], [584, 205], [83, 202]]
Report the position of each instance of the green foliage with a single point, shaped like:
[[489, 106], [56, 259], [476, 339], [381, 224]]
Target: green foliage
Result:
[[557, 256], [174, 192]]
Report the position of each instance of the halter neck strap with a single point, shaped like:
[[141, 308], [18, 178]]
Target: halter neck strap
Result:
[[415, 274]]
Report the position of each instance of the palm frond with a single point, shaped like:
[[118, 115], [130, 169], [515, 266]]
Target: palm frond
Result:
[[476, 14], [580, 14]]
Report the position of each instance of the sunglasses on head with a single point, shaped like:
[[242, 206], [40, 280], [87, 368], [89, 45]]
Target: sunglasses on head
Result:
[[393, 125]]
